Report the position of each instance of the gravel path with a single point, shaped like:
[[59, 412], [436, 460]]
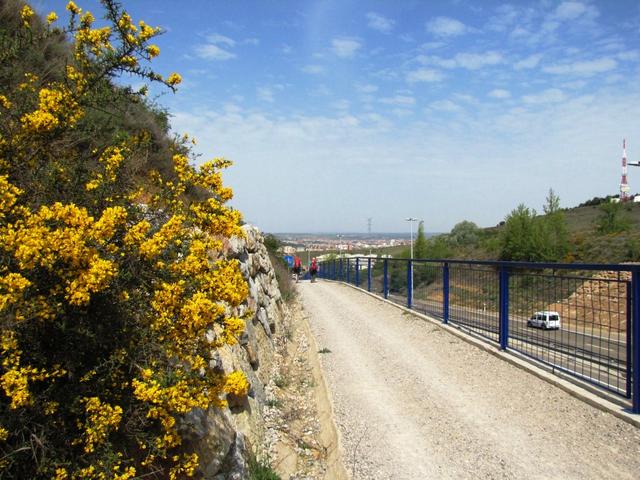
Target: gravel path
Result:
[[414, 402]]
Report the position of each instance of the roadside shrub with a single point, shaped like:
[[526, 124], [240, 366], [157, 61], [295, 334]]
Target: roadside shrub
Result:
[[113, 297]]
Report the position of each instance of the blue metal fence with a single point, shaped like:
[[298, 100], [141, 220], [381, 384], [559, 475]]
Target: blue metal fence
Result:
[[599, 308]]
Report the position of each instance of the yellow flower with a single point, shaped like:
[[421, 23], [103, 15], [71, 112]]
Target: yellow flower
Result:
[[73, 8], [102, 418], [174, 79], [4, 434], [52, 17], [26, 14], [130, 472], [236, 383], [87, 20], [153, 51], [4, 102], [129, 61], [61, 474]]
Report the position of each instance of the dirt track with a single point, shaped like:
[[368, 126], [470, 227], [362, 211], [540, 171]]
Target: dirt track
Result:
[[414, 402]]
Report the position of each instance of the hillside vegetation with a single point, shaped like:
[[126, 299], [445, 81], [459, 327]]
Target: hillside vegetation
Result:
[[113, 293], [599, 232]]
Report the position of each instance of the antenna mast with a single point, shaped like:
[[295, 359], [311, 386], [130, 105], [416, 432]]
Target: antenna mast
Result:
[[624, 185]]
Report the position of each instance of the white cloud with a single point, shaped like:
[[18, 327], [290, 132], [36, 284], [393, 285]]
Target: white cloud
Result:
[[345, 47], [445, 106], [313, 69], [286, 49], [474, 61], [402, 112], [265, 94], [424, 75], [217, 39], [570, 10], [575, 85], [470, 61], [551, 95], [446, 27], [500, 93], [571, 14], [432, 45], [531, 61], [366, 88], [213, 52], [629, 55], [505, 16], [379, 23], [341, 104], [583, 68], [213, 49], [402, 100], [251, 41]]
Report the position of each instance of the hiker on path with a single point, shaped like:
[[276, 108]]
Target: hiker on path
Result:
[[313, 270], [297, 267]]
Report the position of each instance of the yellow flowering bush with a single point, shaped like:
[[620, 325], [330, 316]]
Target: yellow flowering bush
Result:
[[113, 293]]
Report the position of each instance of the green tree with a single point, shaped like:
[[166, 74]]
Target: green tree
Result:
[[554, 233], [464, 233], [552, 204], [519, 234], [272, 243], [420, 245], [612, 218]]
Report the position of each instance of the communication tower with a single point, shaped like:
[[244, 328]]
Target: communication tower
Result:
[[624, 185]]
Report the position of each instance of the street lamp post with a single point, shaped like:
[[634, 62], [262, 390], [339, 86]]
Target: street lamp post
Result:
[[411, 220], [340, 236]]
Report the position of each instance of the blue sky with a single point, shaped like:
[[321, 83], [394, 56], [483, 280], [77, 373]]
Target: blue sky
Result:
[[336, 111]]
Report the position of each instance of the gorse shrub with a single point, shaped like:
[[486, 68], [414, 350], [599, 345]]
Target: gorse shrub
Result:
[[113, 293]]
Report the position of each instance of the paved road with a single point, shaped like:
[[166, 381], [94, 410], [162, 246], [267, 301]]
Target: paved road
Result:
[[414, 402]]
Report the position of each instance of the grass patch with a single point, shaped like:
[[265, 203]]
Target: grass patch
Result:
[[281, 382], [274, 403], [324, 350], [260, 470]]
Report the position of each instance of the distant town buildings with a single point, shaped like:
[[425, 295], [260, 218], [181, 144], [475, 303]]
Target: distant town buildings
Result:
[[293, 243]]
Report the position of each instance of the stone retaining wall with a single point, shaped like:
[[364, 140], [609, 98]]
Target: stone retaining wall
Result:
[[225, 438]]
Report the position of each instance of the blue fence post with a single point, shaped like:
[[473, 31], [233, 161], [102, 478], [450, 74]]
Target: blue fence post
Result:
[[504, 308], [629, 350], [369, 275], [385, 278], [348, 270], [358, 272], [635, 341], [409, 283], [445, 293], [340, 269]]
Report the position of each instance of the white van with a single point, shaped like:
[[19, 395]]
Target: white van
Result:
[[545, 320]]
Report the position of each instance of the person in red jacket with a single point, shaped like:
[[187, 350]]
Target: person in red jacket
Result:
[[297, 267], [313, 270]]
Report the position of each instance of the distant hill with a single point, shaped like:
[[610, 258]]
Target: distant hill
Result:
[[586, 244]]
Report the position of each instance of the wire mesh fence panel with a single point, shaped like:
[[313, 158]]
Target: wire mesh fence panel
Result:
[[377, 276], [428, 288], [576, 322], [352, 273], [397, 280], [473, 298]]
